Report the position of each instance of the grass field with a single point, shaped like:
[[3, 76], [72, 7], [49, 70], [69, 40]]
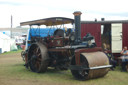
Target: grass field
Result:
[[12, 72]]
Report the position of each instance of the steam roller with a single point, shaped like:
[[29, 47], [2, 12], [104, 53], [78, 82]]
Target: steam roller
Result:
[[65, 50]]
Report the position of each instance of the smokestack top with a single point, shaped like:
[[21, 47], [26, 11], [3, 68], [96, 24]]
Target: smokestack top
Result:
[[77, 13], [77, 21]]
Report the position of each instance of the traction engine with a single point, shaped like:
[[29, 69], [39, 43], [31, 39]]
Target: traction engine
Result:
[[66, 50]]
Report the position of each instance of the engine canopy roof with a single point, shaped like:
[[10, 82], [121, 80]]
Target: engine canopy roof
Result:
[[49, 21]]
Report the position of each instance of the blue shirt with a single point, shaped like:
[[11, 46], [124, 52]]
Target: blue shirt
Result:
[[125, 60]]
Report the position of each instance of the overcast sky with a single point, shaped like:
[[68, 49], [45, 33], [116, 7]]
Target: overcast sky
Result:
[[27, 10]]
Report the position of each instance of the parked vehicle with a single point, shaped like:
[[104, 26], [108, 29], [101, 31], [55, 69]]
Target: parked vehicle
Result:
[[81, 56]]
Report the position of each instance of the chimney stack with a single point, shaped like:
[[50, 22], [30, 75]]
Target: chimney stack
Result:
[[77, 17]]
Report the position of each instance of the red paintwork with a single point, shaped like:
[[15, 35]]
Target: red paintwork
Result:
[[55, 42], [85, 50], [116, 55], [94, 29], [125, 34], [57, 50]]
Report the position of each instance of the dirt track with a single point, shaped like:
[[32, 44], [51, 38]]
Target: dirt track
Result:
[[14, 59], [8, 62], [10, 59]]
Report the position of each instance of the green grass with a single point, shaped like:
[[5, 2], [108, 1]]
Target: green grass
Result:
[[11, 52], [19, 71], [16, 70]]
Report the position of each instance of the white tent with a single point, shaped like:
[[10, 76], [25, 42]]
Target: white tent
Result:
[[5, 43], [13, 46]]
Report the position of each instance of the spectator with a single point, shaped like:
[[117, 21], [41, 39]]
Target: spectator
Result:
[[111, 59], [124, 54]]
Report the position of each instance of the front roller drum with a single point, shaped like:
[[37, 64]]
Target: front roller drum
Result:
[[38, 57], [93, 65]]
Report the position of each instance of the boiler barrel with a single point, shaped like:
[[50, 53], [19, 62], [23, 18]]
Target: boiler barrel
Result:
[[97, 63]]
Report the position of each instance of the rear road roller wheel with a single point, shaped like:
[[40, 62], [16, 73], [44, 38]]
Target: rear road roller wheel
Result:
[[38, 58], [80, 74]]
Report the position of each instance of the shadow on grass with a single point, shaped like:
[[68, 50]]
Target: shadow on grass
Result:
[[51, 72], [55, 74]]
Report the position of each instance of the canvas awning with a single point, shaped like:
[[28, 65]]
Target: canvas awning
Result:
[[49, 21]]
